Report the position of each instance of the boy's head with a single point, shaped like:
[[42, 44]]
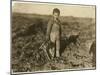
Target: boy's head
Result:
[[56, 12]]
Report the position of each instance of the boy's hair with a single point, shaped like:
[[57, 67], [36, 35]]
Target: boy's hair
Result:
[[56, 10]]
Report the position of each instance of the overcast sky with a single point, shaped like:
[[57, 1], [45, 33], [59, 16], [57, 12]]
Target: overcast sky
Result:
[[46, 8]]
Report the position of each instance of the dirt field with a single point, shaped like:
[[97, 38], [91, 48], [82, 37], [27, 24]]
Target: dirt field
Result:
[[28, 33]]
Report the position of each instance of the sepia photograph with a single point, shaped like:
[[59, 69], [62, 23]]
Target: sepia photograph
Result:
[[51, 37]]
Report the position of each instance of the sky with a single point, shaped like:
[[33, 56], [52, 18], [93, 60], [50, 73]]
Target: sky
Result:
[[47, 8]]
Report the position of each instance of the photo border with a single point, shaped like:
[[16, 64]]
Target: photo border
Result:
[[50, 71]]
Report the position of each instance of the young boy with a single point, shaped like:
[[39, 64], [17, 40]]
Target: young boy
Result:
[[54, 31]]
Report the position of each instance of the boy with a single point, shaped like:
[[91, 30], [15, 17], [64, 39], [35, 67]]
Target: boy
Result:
[[54, 31]]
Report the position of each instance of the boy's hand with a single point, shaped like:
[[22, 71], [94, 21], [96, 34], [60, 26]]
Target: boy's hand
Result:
[[47, 38]]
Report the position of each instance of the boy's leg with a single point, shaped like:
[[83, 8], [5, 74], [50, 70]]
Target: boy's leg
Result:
[[57, 47], [53, 40], [52, 52]]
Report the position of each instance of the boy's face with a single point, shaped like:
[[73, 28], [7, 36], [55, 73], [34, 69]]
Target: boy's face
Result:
[[56, 15]]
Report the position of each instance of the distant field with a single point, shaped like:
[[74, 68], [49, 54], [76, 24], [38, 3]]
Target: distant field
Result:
[[28, 33]]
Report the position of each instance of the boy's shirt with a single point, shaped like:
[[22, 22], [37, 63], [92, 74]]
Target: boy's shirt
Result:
[[53, 26]]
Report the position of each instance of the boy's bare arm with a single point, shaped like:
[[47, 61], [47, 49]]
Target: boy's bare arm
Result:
[[60, 27], [49, 27]]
